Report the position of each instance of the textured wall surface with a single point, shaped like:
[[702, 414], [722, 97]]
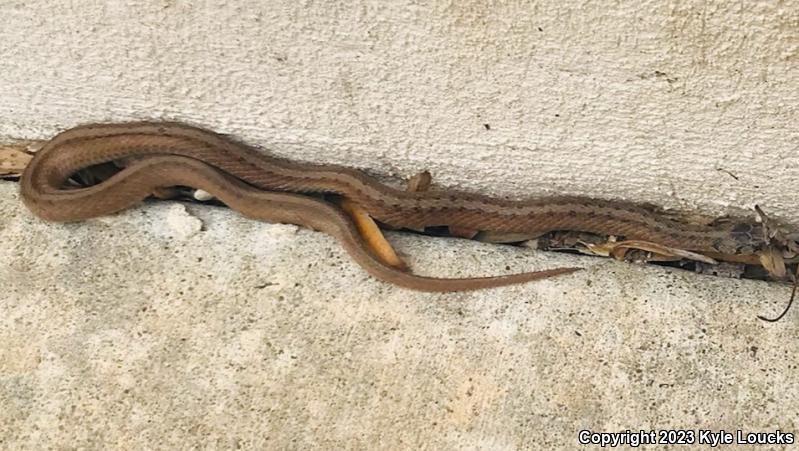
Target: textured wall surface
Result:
[[684, 104]]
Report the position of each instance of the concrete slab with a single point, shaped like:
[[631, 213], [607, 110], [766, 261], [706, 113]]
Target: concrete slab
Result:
[[182, 326]]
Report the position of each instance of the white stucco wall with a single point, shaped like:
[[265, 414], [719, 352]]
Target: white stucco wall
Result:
[[652, 101]]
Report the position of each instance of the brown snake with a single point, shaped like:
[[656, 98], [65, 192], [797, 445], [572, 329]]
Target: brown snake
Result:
[[170, 154]]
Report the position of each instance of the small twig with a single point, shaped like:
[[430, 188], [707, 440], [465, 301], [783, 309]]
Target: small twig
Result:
[[727, 172], [790, 302]]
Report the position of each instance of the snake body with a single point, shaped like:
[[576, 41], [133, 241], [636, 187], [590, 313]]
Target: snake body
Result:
[[266, 187], [155, 166]]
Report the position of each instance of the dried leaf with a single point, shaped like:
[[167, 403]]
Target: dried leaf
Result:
[[772, 261], [778, 233], [14, 158], [619, 249], [419, 182]]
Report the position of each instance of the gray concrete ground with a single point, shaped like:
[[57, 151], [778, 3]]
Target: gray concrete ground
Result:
[[177, 326]]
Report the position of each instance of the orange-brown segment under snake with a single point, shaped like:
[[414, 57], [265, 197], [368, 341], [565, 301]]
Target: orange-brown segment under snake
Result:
[[168, 154]]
